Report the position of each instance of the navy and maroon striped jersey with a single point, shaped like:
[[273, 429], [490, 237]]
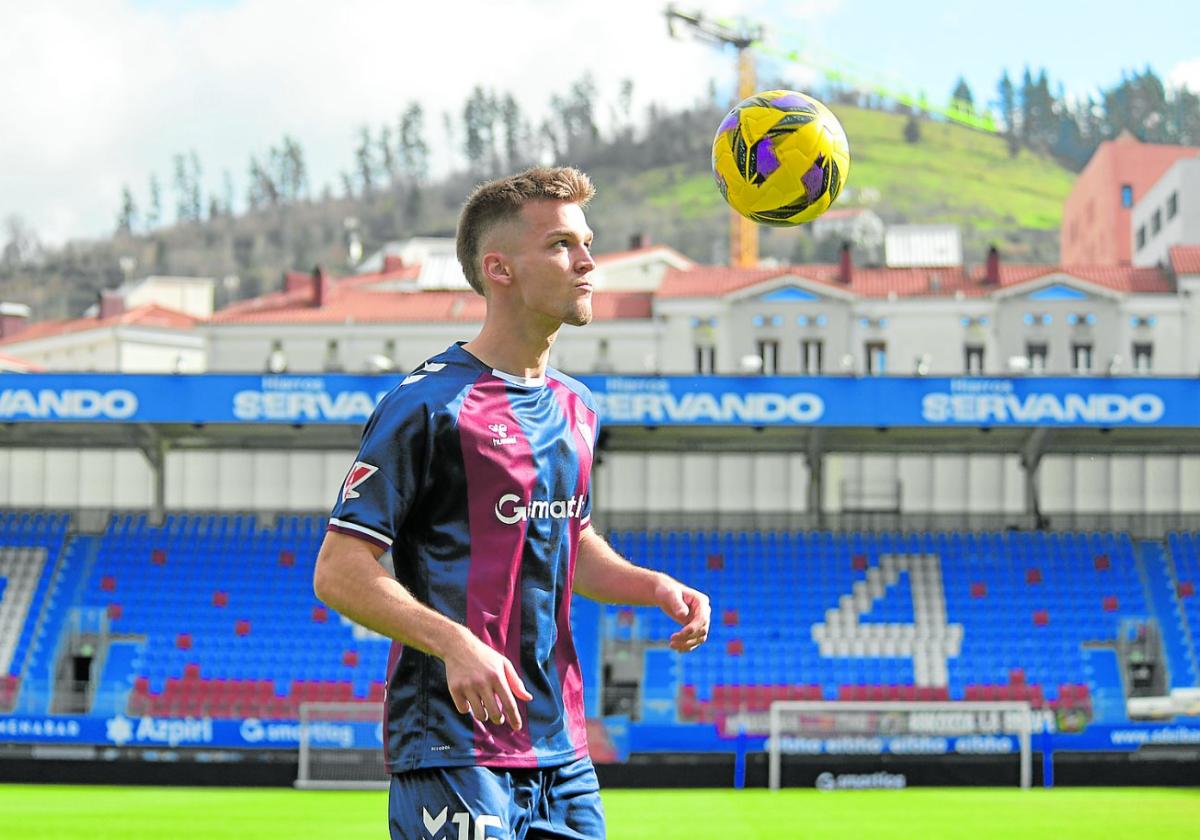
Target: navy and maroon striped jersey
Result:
[[480, 482]]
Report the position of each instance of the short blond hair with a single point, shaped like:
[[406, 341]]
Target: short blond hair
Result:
[[501, 200]]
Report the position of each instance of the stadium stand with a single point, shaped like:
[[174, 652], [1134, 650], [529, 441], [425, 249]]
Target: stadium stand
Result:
[[1029, 604], [214, 615], [216, 607], [1185, 553], [30, 547]]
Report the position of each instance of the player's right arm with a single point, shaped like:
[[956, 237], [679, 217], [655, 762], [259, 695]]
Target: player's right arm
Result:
[[349, 578]]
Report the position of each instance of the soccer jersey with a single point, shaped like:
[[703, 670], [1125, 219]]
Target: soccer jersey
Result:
[[480, 482]]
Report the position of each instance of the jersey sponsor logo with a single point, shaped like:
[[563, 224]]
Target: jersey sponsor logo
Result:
[[359, 473], [511, 508], [502, 437]]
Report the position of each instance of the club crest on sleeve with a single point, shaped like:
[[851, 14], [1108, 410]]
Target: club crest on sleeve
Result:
[[359, 473]]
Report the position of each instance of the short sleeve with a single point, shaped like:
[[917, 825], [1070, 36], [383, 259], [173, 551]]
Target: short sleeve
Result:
[[385, 479]]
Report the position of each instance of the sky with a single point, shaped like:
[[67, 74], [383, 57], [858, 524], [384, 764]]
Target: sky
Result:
[[99, 94]]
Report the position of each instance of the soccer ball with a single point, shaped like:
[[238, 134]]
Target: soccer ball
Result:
[[780, 158]]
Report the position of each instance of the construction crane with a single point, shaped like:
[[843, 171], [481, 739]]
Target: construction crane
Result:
[[747, 40], [743, 234]]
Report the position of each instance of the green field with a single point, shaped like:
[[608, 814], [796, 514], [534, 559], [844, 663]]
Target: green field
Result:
[[132, 813]]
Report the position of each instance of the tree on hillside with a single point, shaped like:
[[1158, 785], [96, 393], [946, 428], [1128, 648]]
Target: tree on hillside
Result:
[[154, 205], [183, 190], [479, 132], [288, 171], [912, 129], [388, 164], [961, 97], [1008, 113], [21, 246], [127, 216], [413, 148], [195, 197], [516, 134], [227, 192], [1138, 104], [364, 162], [263, 191]]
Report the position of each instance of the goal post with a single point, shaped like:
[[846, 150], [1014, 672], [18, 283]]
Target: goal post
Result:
[[341, 746], [899, 728]]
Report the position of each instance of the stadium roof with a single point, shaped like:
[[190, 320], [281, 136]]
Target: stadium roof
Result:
[[150, 315]]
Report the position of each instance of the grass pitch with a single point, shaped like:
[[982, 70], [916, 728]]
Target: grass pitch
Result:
[[49, 812]]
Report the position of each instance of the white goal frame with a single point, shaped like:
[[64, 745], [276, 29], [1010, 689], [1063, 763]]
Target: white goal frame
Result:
[[304, 777], [1023, 731]]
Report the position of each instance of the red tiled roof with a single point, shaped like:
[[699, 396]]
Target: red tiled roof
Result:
[[359, 306], [148, 315], [717, 281], [12, 363], [1185, 259], [1122, 278], [617, 256]]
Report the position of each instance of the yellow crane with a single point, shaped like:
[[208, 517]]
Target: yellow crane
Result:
[[743, 233]]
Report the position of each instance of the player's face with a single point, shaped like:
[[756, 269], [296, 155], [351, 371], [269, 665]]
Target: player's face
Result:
[[554, 261]]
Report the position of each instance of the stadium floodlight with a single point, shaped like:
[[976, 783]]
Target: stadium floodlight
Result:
[[899, 728]]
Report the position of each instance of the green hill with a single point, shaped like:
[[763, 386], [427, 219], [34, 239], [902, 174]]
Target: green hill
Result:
[[953, 174]]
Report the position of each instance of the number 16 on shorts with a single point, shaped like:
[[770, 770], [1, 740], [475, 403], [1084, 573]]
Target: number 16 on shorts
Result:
[[435, 825]]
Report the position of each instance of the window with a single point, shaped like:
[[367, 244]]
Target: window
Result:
[[876, 353], [1141, 237], [706, 358], [1081, 358], [974, 359], [333, 358], [1143, 357], [1172, 205], [1127, 195], [1156, 222], [812, 356], [768, 351], [1036, 353]]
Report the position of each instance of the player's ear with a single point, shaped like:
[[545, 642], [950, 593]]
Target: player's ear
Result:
[[497, 269]]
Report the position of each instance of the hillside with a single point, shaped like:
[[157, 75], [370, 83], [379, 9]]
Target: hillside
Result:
[[657, 185], [954, 174]]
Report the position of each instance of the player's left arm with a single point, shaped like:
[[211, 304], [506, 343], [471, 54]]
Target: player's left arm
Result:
[[603, 575]]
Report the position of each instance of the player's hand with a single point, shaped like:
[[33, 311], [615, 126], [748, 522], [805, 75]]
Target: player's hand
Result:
[[483, 682], [690, 608]]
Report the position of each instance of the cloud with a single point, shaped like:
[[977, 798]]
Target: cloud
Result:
[[108, 91]]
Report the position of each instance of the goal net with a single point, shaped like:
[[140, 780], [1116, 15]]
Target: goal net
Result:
[[341, 746], [904, 730]]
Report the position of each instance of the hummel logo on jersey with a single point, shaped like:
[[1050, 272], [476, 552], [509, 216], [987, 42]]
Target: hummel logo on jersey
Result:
[[502, 438], [359, 473], [430, 367]]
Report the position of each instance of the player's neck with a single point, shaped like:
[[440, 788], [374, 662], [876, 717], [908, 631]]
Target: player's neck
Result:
[[520, 349]]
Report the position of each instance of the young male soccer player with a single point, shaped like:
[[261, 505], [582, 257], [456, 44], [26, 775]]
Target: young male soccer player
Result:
[[476, 473]]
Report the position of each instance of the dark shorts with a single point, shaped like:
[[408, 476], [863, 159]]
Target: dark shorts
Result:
[[486, 803]]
